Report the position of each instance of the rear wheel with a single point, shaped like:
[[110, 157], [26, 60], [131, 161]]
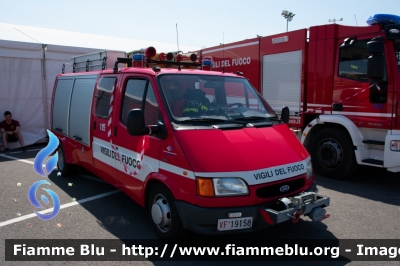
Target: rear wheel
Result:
[[164, 215], [64, 168], [332, 153]]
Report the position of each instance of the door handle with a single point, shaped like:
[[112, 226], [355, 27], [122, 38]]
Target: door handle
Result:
[[77, 138]]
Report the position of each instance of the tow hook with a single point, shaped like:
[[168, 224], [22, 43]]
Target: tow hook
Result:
[[296, 216]]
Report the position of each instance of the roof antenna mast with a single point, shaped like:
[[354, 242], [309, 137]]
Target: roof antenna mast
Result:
[[223, 52], [177, 43]]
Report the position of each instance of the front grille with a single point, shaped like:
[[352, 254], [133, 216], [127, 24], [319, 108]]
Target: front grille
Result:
[[274, 190]]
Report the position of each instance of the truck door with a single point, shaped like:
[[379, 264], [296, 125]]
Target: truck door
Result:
[[139, 155], [102, 128], [366, 103]]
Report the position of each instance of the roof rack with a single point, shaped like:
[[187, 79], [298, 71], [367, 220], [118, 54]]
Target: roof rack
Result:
[[94, 61], [148, 57]]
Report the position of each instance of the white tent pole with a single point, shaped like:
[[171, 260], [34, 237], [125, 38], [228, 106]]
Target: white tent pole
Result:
[[44, 87]]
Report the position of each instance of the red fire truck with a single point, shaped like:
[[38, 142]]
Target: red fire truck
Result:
[[341, 84], [201, 150]]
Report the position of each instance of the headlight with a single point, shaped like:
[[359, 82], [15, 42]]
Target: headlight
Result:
[[309, 170], [395, 145], [230, 186]]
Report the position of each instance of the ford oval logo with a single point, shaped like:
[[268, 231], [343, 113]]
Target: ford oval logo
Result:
[[284, 188]]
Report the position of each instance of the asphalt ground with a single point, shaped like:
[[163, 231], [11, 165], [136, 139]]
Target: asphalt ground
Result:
[[366, 206]]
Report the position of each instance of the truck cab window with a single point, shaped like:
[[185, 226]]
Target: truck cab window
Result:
[[353, 61], [103, 94], [133, 99]]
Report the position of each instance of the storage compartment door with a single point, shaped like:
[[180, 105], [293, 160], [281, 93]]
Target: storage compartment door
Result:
[[81, 102], [61, 103], [282, 80]]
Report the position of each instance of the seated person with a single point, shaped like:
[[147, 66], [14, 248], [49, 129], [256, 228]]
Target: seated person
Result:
[[196, 103], [10, 130], [178, 102]]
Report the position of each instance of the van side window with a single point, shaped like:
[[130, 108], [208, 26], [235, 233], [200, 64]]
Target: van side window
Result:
[[133, 99], [151, 109], [353, 61], [103, 95]]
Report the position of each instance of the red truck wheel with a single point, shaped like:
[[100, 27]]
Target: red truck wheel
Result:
[[64, 168], [164, 215], [332, 153]]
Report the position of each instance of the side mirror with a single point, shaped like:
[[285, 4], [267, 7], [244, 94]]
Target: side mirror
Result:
[[135, 124], [376, 67], [376, 61], [285, 115]]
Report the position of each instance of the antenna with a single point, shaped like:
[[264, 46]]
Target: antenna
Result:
[[28, 35], [223, 52], [355, 19], [177, 42]]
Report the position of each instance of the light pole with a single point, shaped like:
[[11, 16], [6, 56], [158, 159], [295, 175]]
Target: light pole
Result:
[[288, 16], [334, 20]]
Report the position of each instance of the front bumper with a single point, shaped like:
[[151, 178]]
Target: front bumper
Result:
[[204, 220]]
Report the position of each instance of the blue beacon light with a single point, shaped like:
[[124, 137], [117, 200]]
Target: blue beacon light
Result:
[[207, 62], [383, 19]]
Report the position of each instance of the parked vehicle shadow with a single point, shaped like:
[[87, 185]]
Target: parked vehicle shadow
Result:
[[368, 182]]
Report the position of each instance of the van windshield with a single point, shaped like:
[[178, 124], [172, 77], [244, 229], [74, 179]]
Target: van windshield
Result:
[[212, 98]]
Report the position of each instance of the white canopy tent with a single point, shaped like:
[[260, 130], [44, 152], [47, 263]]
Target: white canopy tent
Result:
[[21, 33], [28, 69], [27, 74]]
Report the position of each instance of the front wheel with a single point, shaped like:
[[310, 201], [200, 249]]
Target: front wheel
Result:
[[332, 153], [64, 168], [164, 215]]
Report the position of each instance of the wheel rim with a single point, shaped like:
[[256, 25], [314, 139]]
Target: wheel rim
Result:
[[161, 213], [60, 160], [329, 153]]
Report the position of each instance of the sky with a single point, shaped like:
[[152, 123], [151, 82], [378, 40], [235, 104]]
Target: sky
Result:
[[201, 24]]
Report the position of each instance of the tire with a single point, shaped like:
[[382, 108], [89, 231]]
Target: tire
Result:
[[64, 168], [332, 153], [164, 215]]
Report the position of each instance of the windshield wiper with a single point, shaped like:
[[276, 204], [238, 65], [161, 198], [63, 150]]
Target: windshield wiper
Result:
[[258, 121], [205, 119], [212, 119], [274, 118], [250, 118]]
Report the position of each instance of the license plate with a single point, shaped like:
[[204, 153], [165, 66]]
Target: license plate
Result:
[[234, 224]]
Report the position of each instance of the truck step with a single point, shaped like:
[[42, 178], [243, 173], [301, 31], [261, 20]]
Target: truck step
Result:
[[374, 142], [373, 161]]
